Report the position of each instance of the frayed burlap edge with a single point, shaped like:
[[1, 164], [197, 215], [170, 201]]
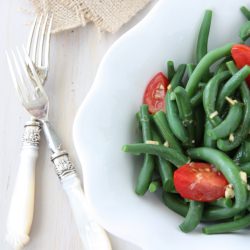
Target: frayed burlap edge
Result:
[[108, 15]]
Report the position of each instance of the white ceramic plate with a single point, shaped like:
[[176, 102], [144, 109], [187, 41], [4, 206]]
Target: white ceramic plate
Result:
[[106, 121]]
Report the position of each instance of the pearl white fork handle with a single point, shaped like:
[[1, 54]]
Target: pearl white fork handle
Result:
[[92, 235], [21, 210]]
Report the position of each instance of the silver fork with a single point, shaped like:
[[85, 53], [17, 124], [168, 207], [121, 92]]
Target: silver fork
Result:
[[36, 102], [21, 210], [39, 44]]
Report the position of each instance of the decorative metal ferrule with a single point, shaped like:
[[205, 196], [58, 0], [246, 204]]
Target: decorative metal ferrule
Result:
[[31, 135], [63, 165]]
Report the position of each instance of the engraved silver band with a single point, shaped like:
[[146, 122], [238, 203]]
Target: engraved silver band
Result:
[[63, 165], [31, 135]]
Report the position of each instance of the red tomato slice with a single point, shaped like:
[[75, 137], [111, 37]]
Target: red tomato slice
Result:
[[155, 92], [241, 56], [200, 182]]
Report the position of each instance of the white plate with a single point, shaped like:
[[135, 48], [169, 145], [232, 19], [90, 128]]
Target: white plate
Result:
[[106, 121]]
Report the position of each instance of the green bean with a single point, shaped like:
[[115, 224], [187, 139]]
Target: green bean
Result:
[[165, 169], [145, 122], [154, 186], [163, 126], [166, 172], [145, 175], [184, 105], [242, 132], [222, 202], [197, 98], [245, 167], [193, 217], [231, 85], [208, 141], [245, 31], [231, 67], [222, 65], [199, 125], [185, 112], [190, 69], [243, 153], [174, 121], [221, 68], [240, 215], [171, 155], [204, 65], [230, 124], [171, 70], [245, 12], [239, 154], [177, 78], [137, 116], [156, 136], [213, 214], [146, 172], [210, 95], [175, 203], [201, 49], [224, 164], [228, 226]]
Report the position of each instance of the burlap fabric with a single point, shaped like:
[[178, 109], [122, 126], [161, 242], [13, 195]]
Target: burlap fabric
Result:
[[108, 15]]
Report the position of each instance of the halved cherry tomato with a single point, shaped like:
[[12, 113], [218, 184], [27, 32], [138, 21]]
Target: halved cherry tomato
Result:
[[155, 92], [200, 182], [241, 56]]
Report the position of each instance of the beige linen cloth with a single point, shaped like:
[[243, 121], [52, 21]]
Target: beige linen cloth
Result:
[[108, 15]]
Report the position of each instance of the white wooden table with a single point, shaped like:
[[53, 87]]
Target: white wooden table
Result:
[[75, 56]]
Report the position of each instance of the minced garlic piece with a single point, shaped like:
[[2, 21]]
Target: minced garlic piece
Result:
[[169, 87], [161, 87], [231, 101], [243, 176], [212, 115], [231, 137], [152, 142], [248, 187], [229, 192], [166, 144]]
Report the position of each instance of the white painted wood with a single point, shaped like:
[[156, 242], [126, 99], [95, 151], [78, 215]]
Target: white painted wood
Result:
[[75, 56]]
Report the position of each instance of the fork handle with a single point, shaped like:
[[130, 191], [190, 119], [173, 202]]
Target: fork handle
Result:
[[21, 210], [92, 235]]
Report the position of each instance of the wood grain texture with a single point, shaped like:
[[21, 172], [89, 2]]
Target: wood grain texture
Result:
[[75, 56]]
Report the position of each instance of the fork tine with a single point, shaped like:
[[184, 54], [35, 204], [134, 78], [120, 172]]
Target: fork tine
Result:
[[23, 64], [29, 63], [47, 43], [41, 41], [31, 36], [34, 41], [19, 83], [37, 81], [13, 76]]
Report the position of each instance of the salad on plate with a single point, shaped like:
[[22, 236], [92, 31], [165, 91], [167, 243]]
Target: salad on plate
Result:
[[195, 124]]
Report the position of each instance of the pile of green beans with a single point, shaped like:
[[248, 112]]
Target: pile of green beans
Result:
[[207, 118]]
